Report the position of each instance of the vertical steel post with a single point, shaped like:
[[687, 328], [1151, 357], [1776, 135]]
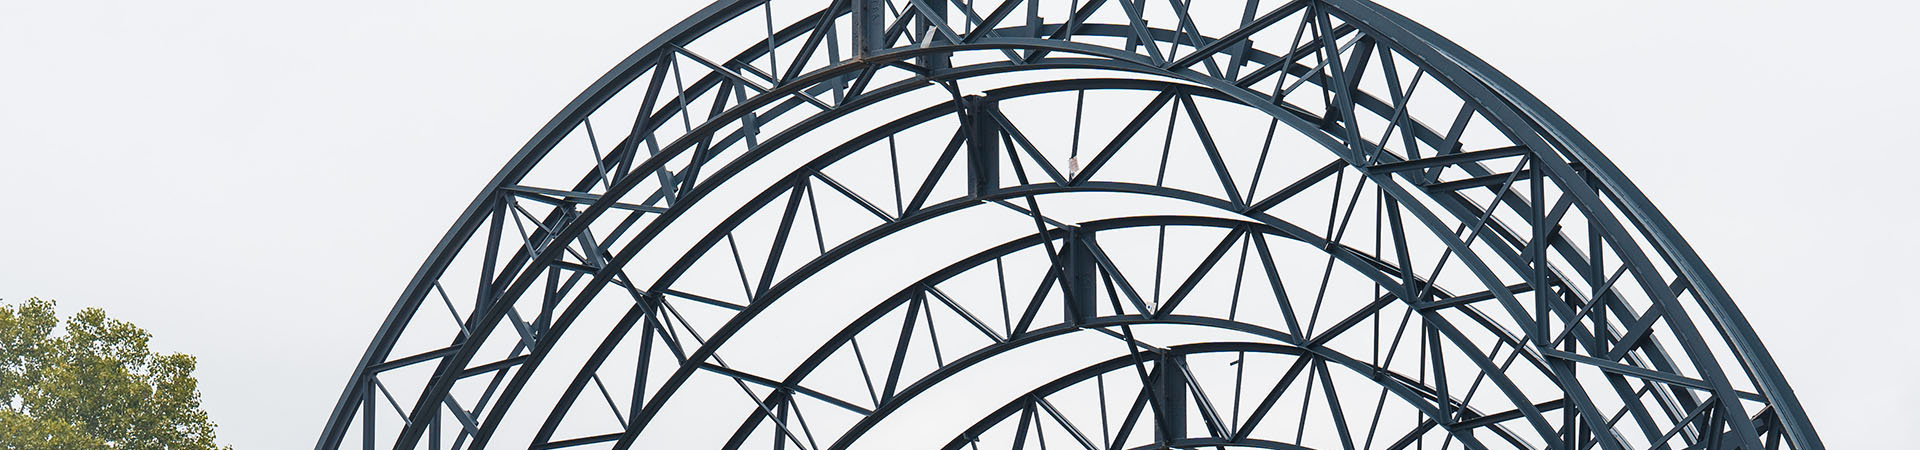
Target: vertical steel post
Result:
[[926, 28], [367, 435], [869, 27], [1173, 398], [1076, 257], [983, 145]]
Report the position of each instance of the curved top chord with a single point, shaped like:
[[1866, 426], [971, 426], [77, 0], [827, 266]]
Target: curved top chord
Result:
[[1112, 224]]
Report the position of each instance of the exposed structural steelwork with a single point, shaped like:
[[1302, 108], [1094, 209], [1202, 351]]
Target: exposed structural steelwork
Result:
[[1119, 224]]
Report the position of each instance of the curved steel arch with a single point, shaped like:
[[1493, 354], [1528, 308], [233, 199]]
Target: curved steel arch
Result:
[[1536, 249]]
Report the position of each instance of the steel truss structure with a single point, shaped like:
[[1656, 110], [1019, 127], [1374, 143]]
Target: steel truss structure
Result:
[[1098, 224]]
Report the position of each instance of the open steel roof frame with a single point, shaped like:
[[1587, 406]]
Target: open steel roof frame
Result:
[[1108, 224]]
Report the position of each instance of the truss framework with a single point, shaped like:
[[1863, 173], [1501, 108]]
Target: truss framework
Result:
[[1119, 223]]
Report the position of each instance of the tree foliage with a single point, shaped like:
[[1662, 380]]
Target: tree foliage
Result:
[[93, 385]]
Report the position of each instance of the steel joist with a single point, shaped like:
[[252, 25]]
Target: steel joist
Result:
[[1100, 224]]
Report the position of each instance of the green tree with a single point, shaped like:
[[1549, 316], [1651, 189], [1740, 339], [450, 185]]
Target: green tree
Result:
[[93, 385]]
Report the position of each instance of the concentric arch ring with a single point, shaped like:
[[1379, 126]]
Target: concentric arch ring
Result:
[[1107, 162]]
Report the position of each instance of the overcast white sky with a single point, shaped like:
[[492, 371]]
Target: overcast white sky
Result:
[[254, 182]]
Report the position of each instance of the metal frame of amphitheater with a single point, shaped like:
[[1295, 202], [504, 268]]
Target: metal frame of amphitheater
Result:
[[1117, 224]]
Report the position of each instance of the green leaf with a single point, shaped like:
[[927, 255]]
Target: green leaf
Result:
[[94, 384]]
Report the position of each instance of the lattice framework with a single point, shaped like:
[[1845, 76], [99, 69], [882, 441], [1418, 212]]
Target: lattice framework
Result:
[[1093, 215]]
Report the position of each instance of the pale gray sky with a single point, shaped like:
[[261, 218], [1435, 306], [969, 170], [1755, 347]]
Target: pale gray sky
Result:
[[254, 182]]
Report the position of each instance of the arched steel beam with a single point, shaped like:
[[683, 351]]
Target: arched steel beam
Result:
[[819, 356], [1470, 81], [489, 322], [719, 337], [1110, 365], [1643, 215], [498, 410], [1406, 393], [773, 144], [1771, 392], [717, 178]]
